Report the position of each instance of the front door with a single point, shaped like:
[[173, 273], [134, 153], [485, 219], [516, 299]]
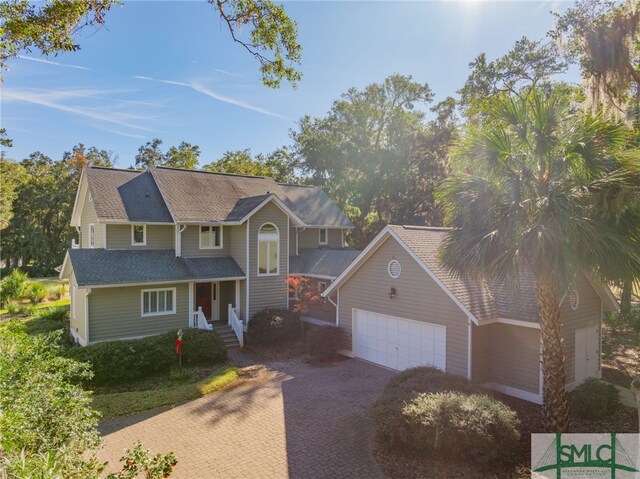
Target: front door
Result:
[[204, 298], [587, 353]]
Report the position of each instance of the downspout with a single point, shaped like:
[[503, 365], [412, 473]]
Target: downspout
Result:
[[179, 239]]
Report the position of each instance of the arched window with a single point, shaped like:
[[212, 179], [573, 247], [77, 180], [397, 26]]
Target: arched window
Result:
[[268, 250]]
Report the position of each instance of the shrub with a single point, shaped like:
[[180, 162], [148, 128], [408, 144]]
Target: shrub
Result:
[[58, 314], [399, 430], [274, 326], [323, 343], [13, 307], [594, 399], [58, 292], [469, 427], [632, 318], [12, 287], [36, 292], [179, 375], [115, 362]]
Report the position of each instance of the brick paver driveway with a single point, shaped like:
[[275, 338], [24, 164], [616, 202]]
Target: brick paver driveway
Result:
[[291, 420]]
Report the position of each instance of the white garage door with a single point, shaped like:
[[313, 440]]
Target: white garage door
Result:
[[398, 343]]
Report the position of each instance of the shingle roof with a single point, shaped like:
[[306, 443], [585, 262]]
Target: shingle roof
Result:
[[313, 206], [94, 267], [484, 301], [126, 195], [194, 196], [322, 262]]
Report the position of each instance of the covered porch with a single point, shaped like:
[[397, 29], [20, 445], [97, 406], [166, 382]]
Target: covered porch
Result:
[[216, 304]]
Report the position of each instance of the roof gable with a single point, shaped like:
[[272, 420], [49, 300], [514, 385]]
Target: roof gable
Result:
[[126, 196]]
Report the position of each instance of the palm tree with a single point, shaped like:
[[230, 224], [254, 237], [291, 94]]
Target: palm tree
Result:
[[546, 187]]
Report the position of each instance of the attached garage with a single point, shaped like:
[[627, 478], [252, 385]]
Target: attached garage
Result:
[[400, 308], [398, 343]]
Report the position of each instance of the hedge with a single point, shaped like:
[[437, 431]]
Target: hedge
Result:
[[115, 362], [426, 411]]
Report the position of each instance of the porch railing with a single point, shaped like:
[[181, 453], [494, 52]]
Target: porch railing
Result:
[[200, 320], [236, 325]]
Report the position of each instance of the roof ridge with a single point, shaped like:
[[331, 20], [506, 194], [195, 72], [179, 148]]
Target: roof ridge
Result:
[[423, 227], [212, 172], [110, 168], [301, 186]]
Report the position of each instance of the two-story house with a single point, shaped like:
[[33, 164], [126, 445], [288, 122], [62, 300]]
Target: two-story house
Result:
[[167, 248]]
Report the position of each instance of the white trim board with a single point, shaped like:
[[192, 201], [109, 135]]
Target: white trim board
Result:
[[512, 322], [153, 283], [515, 392]]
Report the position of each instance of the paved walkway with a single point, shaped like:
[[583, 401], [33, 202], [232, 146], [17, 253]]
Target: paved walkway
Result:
[[288, 420]]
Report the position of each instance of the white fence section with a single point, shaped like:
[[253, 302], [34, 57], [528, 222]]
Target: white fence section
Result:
[[200, 321], [236, 325]]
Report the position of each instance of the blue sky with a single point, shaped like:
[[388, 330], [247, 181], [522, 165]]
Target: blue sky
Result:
[[170, 70]]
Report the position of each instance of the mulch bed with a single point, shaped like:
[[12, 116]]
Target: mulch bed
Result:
[[404, 467], [282, 352]]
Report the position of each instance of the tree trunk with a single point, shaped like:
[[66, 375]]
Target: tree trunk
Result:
[[625, 298], [635, 389], [555, 407]]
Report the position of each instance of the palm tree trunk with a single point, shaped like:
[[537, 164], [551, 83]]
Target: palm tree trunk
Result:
[[555, 407], [625, 298]]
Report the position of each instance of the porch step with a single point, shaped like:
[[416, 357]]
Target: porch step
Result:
[[227, 335]]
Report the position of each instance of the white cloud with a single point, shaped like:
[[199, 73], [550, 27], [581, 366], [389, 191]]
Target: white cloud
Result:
[[228, 73], [55, 99], [216, 96], [49, 62]]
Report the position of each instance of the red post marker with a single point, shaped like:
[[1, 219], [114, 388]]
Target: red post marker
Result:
[[178, 346]]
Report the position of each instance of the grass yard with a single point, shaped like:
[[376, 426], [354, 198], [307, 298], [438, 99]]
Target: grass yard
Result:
[[123, 403], [620, 354]]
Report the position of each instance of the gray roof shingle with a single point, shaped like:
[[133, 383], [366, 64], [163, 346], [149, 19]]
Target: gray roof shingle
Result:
[[313, 206], [94, 267], [322, 262], [484, 301], [200, 196], [126, 195]]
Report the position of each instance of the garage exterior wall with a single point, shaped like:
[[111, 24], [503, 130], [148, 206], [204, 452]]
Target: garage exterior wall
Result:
[[88, 217], [515, 356], [115, 313], [418, 298], [310, 238], [588, 314], [481, 354]]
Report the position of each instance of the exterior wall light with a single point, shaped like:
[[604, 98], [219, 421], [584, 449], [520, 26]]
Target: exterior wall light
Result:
[[392, 293]]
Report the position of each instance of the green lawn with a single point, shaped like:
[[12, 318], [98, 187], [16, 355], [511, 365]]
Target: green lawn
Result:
[[50, 281], [123, 403]]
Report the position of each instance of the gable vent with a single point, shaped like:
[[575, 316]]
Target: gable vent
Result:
[[574, 299], [394, 268]]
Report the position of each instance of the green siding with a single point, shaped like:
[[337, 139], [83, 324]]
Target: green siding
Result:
[[515, 356], [267, 291], [115, 313], [418, 298], [88, 216], [158, 237], [191, 243], [310, 238]]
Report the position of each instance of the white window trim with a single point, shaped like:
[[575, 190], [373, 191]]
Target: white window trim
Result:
[[326, 236], [269, 237], [144, 235], [91, 235], [163, 313], [220, 228]]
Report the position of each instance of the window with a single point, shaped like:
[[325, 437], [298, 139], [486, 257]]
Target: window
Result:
[[574, 299], [158, 301], [92, 235], [138, 235], [268, 250], [210, 237], [394, 268], [324, 236], [322, 285]]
